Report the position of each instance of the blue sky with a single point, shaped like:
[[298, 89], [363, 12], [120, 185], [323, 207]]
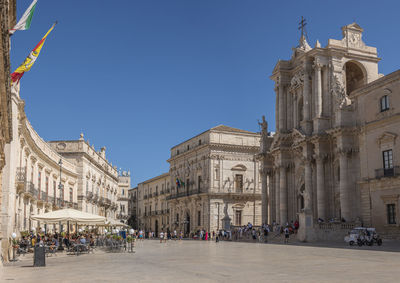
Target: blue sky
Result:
[[142, 76]]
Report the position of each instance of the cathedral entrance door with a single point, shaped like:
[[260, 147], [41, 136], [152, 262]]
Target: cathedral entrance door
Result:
[[156, 228], [187, 224]]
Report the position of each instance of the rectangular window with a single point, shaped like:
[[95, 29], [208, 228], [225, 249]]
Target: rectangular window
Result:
[[87, 186], [39, 183], [239, 182], [47, 188], [384, 103], [388, 163], [199, 183], [55, 190], [198, 218], [238, 218], [177, 218], [71, 197], [391, 213]]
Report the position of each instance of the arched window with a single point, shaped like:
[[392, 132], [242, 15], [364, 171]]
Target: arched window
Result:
[[355, 77]]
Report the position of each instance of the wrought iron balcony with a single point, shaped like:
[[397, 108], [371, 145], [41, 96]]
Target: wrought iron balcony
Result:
[[60, 202], [185, 193], [387, 172]]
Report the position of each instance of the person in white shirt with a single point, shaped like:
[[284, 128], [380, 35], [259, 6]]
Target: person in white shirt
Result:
[[286, 232], [161, 236]]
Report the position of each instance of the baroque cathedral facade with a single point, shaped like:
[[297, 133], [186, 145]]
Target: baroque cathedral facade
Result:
[[333, 156]]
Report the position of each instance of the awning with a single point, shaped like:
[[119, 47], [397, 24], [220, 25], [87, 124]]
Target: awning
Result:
[[113, 222], [72, 215]]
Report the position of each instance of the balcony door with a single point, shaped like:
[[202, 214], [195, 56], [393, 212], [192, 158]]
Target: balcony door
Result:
[[388, 163]]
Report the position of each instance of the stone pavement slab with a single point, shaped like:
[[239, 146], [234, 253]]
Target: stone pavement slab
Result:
[[199, 261]]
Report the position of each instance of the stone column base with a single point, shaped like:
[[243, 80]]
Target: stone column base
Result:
[[306, 231]]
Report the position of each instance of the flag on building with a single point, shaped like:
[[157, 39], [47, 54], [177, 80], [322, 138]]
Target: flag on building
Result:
[[179, 183], [25, 22], [30, 60]]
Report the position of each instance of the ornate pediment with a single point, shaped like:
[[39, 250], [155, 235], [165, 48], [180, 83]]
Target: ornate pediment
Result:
[[387, 137], [239, 167], [298, 136]]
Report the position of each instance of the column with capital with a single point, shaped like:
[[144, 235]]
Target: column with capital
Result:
[[307, 186], [320, 188], [318, 87], [271, 197], [282, 110], [306, 101], [264, 194], [283, 195], [276, 107], [268, 197], [345, 202], [277, 195]]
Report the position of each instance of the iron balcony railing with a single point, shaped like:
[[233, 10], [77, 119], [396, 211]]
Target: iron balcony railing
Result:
[[60, 202], [387, 172], [30, 188], [185, 193]]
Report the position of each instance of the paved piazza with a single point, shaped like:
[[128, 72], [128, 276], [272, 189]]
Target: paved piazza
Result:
[[198, 261]]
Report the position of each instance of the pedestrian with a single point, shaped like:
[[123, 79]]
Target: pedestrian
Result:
[[286, 232], [206, 236], [161, 236]]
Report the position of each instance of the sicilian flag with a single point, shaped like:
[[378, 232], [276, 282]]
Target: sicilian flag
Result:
[[25, 22], [30, 60]]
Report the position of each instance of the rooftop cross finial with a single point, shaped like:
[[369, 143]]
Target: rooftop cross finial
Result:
[[302, 25]]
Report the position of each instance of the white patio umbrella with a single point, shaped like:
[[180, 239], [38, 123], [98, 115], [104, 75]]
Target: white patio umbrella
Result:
[[113, 222], [73, 215]]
